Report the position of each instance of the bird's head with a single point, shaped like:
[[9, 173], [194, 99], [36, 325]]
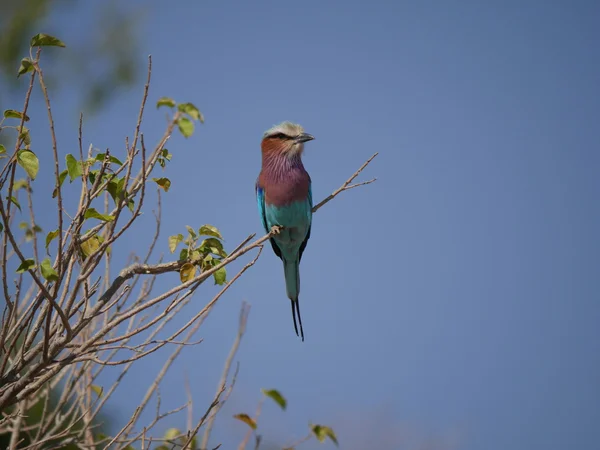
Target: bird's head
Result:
[[287, 138]]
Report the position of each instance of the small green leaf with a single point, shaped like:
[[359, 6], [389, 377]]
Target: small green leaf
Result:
[[321, 432], [21, 184], [165, 101], [191, 110], [172, 433], [74, 167], [26, 66], [276, 396], [99, 390], [37, 229], [47, 271], [195, 255], [115, 188], [51, 236], [174, 241], [11, 113], [131, 205], [90, 246], [186, 126], [41, 40], [91, 213], [23, 225], [2, 149], [24, 135], [25, 265], [213, 245], [61, 180], [209, 230], [220, 276], [164, 183], [247, 420], [183, 254], [187, 272], [164, 157], [28, 161], [102, 156], [15, 202], [191, 231]]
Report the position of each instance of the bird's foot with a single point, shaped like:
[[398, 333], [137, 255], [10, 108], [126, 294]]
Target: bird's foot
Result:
[[276, 229]]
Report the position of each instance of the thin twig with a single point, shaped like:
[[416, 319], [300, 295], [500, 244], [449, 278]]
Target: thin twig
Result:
[[245, 310]]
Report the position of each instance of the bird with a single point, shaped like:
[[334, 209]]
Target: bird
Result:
[[284, 197]]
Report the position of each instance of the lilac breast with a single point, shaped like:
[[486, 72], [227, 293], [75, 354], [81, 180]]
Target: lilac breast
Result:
[[284, 180]]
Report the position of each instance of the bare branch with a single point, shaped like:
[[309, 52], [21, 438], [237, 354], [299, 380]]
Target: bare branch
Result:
[[245, 310], [346, 186]]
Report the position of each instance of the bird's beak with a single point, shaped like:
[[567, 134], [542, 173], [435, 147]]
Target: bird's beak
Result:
[[304, 137]]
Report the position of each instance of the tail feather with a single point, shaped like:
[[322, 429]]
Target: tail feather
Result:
[[292, 284]]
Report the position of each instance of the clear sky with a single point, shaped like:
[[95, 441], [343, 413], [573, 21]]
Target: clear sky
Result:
[[452, 304]]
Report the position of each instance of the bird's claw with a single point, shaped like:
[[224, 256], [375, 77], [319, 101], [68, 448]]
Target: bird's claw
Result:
[[276, 229]]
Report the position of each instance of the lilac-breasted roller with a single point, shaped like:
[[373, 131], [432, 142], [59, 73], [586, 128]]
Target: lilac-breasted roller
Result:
[[284, 197]]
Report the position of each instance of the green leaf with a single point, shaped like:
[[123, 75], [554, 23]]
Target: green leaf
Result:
[[21, 184], [131, 205], [91, 213], [99, 390], [191, 110], [220, 276], [2, 149], [164, 157], [174, 241], [91, 245], [24, 135], [47, 271], [51, 236], [195, 255], [183, 254], [11, 113], [61, 180], [102, 156], [246, 419], [28, 161], [209, 230], [23, 225], [41, 40], [213, 245], [26, 265], [321, 432], [74, 167], [172, 433], [115, 188], [164, 183], [37, 229], [187, 272], [191, 231], [186, 126], [26, 66], [15, 202], [165, 101], [276, 396]]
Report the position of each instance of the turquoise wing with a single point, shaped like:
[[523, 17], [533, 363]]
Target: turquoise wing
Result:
[[305, 241], [260, 201]]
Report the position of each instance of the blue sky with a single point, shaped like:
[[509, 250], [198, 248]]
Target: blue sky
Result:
[[454, 303]]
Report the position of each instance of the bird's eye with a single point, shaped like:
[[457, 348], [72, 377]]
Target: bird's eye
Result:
[[280, 136]]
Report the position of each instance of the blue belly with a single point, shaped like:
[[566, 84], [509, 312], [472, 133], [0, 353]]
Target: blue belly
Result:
[[296, 219]]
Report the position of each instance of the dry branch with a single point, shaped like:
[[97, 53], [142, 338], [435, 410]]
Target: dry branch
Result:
[[68, 328]]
